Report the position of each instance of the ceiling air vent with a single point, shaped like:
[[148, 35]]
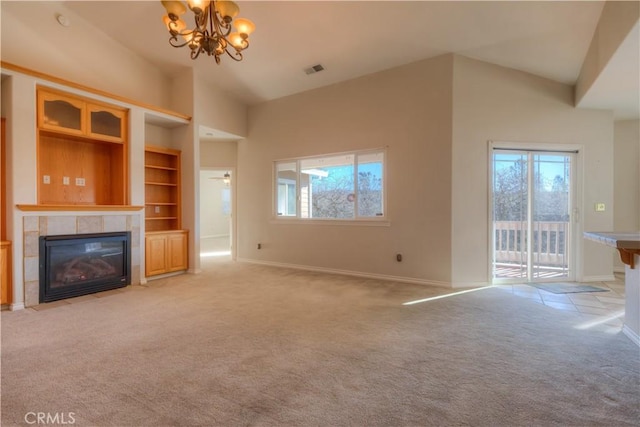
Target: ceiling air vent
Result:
[[315, 69]]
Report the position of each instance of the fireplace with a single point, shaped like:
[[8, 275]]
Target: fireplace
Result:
[[81, 264]]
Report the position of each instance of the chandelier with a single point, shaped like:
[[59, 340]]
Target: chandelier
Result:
[[214, 20]]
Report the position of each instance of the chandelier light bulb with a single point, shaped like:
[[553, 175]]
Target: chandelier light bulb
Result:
[[238, 41], [244, 26], [175, 8], [198, 6], [227, 8]]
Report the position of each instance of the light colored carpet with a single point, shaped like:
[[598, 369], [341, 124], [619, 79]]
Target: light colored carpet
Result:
[[250, 345]]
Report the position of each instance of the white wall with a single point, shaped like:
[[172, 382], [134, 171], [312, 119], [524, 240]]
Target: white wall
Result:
[[213, 221], [160, 137], [616, 21], [215, 109], [32, 38], [408, 110], [218, 154], [626, 213], [500, 104]]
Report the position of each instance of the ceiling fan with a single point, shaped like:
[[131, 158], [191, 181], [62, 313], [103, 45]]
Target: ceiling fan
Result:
[[226, 178]]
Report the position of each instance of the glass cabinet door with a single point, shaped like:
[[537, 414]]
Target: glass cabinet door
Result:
[[61, 113], [105, 122]]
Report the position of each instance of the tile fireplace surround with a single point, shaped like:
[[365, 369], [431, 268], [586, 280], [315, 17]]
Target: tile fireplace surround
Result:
[[36, 226]]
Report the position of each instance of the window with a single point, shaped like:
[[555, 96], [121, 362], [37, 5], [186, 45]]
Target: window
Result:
[[341, 186]]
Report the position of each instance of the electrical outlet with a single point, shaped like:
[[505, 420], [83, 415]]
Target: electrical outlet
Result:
[[156, 209], [65, 180], [80, 182], [600, 207], [46, 179]]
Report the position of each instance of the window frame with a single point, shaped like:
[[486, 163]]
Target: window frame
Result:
[[382, 220]]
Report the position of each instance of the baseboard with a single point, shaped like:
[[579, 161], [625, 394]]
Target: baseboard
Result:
[[618, 269], [384, 277], [213, 236], [631, 334], [607, 278], [467, 285], [162, 276]]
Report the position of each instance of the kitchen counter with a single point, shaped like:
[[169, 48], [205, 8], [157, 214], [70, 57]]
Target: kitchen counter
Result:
[[628, 245]]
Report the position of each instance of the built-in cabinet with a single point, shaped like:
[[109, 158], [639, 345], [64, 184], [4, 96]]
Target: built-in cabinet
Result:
[[82, 151], [5, 272], [72, 115], [165, 242], [166, 252], [5, 245], [162, 189]]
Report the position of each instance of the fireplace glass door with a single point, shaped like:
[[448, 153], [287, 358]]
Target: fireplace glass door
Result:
[[82, 264]]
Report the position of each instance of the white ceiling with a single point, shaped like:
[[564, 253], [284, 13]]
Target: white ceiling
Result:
[[354, 38]]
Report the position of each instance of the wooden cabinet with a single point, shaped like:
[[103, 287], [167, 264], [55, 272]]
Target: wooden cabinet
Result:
[[60, 113], [3, 183], [162, 189], [82, 151], [5, 273], [166, 252], [5, 246], [64, 113], [165, 242]]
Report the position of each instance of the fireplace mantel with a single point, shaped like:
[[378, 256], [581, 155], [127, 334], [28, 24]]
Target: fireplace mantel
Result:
[[78, 208]]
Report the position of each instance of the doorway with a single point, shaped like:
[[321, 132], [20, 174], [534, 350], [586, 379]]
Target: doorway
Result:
[[216, 216], [532, 201]]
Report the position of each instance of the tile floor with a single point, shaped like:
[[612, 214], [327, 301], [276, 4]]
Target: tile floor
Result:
[[602, 310]]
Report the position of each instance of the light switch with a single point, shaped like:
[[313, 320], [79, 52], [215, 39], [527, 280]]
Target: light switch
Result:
[[65, 180], [46, 179], [80, 182], [600, 207], [157, 209]]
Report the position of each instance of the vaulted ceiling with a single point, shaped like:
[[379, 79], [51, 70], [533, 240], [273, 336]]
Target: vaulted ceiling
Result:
[[354, 38]]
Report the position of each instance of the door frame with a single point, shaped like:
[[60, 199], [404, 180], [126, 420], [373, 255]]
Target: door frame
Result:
[[576, 227], [232, 186]]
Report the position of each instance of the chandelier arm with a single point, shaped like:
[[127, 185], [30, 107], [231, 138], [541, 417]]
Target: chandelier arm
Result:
[[201, 21], [237, 56], [173, 41], [196, 52], [219, 25]]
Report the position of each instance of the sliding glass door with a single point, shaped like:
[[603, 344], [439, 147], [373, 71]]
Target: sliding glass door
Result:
[[532, 203]]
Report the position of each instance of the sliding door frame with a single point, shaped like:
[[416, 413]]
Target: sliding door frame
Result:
[[575, 222]]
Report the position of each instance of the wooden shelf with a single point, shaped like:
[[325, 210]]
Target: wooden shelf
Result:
[[170, 184], [79, 208], [160, 167], [162, 189]]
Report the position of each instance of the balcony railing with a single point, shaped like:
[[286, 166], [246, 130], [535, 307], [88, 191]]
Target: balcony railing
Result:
[[550, 242]]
